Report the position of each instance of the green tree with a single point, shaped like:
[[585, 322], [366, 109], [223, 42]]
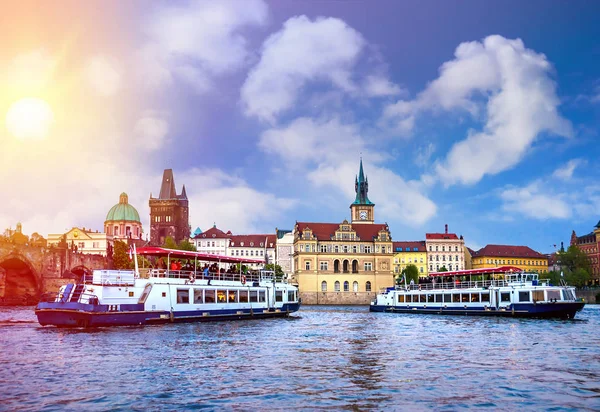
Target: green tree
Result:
[[170, 243], [578, 278], [186, 245], [411, 272], [443, 269], [276, 268], [573, 259], [121, 255], [553, 276]]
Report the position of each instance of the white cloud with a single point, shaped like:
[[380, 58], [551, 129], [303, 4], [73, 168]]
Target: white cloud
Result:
[[521, 104], [533, 202], [424, 154], [103, 76], [566, 172], [381, 86], [196, 42], [151, 131]]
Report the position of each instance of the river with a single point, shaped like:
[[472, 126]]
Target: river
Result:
[[323, 357]]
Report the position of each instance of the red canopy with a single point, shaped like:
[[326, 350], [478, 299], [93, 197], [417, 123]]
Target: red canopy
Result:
[[482, 271], [188, 254]]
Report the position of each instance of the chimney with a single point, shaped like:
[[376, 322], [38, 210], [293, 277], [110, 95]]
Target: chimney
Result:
[[446, 228]]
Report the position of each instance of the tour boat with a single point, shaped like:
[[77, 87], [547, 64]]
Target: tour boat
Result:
[[151, 295], [504, 291]]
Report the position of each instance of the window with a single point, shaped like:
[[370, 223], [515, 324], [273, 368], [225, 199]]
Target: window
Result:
[[81, 245], [209, 296], [368, 266], [354, 249], [346, 286], [505, 297], [323, 248], [524, 296], [368, 286], [243, 296], [232, 296], [355, 286], [443, 248], [345, 249], [485, 296], [421, 269], [251, 253], [323, 265], [307, 265], [279, 296], [96, 245], [307, 248], [436, 248], [336, 248], [336, 286], [183, 296], [198, 296], [323, 286], [430, 248], [367, 249]]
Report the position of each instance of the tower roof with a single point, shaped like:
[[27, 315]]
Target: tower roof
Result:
[[167, 189], [361, 187], [123, 211]]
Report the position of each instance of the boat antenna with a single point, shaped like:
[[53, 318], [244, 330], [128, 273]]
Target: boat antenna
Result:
[[137, 269]]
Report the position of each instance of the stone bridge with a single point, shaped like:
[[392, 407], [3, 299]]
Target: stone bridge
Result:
[[26, 272]]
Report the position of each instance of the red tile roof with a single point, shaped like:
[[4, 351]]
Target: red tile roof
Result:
[[419, 244], [441, 236], [508, 251], [253, 240], [213, 231], [326, 231]]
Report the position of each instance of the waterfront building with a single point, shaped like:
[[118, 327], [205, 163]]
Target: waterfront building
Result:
[[261, 246], [83, 240], [213, 241], [468, 258], [410, 253], [445, 250], [523, 257], [284, 251], [123, 221], [590, 245], [345, 262], [169, 212]]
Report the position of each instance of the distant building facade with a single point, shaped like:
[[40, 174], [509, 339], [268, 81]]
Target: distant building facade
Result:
[[344, 262], [169, 214], [590, 245], [445, 250], [260, 247], [410, 253], [284, 251], [213, 241], [123, 221], [83, 240], [522, 257]]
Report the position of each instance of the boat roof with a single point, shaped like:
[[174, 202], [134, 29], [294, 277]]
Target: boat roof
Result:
[[187, 254], [482, 271]]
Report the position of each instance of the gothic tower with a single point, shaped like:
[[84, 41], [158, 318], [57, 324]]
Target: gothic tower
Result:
[[362, 209], [169, 212]]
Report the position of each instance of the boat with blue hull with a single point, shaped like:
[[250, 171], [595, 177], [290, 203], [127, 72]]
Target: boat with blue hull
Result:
[[160, 295], [504, 291]]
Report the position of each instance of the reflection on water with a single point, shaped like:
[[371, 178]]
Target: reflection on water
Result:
[[324, 357]]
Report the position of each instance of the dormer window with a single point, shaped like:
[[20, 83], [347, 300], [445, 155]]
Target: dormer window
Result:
[[261, 244], [241, 243]]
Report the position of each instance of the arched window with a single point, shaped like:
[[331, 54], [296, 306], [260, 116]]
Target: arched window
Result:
[[346, 286], [336, 266], [323, 286], [355, 266], [345, 264], [355, 286], [368, 286], [336, 286]]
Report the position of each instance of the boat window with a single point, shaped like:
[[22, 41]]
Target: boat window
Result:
[[485, 296], [278, 296], [524, 296], [232, 298], [209, 296], [409, 298], [183, 296], [145, 293], [198, 296], [464, 297], [291, 296], [254, 296], [438, 297], [505, 297], [538, 295], [568, 294], [553, 294], [422, 299], [447, 297], [243, 296], [430, 297], [262, 295], [474, 297], [221, 296], [400, 298], [456, 297]]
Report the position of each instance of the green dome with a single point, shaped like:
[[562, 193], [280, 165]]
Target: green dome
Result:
[[123, 211]]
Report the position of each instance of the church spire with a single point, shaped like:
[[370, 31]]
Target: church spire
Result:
[[361, 187]]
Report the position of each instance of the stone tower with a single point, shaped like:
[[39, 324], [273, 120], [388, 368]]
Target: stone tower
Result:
[[362, 210], [169, 212]]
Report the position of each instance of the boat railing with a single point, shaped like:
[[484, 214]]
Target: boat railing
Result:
[[197, 275], [110, 278], [454, 285]]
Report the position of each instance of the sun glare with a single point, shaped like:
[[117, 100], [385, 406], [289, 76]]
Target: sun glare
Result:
[[29, 118]]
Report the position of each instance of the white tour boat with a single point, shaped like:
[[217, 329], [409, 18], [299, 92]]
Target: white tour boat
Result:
[[150, 296], [504, 291]]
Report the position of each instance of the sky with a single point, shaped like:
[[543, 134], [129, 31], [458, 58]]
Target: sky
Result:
[[480, 115]]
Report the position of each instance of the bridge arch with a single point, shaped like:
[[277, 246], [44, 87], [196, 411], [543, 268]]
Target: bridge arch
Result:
[[80, 271], [19, 281]]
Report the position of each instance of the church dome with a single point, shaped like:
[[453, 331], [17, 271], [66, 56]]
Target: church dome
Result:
[[123, 211]]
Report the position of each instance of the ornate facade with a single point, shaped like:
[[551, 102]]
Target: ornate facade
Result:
[[590, 245], [169, 212], [123, 221], [445, 250], [347, 262], [410, 253]]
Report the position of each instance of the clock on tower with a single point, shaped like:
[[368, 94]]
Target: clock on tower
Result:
[[362, 208]]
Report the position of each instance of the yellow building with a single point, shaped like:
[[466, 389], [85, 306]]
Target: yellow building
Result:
[[347, 262], [410, 253], [84, 240], [522, 257]]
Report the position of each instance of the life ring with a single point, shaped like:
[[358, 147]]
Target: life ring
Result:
[[192, 278], [243, 279]]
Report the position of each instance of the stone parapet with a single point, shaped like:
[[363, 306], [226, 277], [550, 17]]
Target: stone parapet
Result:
[[337, 298]]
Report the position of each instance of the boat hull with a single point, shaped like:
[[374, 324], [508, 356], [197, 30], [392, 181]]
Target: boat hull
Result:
[[562, 310], [87, 317]]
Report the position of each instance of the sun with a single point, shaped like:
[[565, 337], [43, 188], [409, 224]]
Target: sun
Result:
[[29, 118]]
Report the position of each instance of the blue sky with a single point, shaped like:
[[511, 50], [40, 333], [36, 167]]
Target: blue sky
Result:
[[481, 115]]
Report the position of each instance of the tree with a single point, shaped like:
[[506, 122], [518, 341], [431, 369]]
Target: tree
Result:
[[121, 255], [411, 272], [276, 268], [573, 259], [37, 240], [169, 243], [443, 269], [186, 245], [578, 278]]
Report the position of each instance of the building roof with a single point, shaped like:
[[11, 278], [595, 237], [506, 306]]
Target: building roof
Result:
[[253, 240], [197, 231], [326, 231], [123, 211], [213, 233], [508, 251], [410, 246], [167, 187], [282, 232], [441, 236], [361, 187]]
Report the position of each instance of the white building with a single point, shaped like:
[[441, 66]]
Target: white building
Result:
[[285, 250], [445, 250], [85, 240]]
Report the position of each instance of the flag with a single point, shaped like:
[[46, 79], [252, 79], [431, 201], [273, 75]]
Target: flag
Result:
[[130, 253]]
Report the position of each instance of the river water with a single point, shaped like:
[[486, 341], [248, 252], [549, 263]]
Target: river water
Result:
[[341, 358]]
